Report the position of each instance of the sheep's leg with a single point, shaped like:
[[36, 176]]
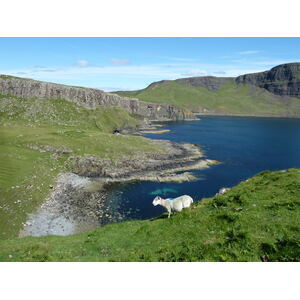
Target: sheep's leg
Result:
[[169, 211]]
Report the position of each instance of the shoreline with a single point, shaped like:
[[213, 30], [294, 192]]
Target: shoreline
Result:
[[247, 115], [175, 157], [79, 202]]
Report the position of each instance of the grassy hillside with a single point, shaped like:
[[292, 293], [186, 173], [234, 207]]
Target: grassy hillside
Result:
[[36, 139], [258, 220], [230, 99]]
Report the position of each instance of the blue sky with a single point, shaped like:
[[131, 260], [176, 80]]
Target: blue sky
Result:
[[133, 63]]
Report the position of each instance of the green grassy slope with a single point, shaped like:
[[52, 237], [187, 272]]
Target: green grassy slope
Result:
[[28, 127], [258, 220], [230, 99]]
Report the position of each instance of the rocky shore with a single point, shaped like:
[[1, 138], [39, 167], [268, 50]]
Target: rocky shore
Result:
[[79, 201], [77, 204], [163, 165], [215, 114]]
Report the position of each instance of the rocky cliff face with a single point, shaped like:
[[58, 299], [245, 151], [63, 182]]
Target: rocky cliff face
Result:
[[281, 80], [90, 98], [212, 83]]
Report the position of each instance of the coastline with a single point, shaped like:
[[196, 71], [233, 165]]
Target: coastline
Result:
[[79, 202], [248, 115]]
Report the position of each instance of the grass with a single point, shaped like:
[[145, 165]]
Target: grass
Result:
[[26, 175], [58, 112], [9, 77], [257, 220], [230, 99]]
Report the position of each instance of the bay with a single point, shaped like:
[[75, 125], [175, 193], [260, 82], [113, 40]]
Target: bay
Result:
[[244, 145]]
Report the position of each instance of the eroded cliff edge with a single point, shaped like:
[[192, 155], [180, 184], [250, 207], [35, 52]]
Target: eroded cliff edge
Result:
[[283, 80], [90, 98]]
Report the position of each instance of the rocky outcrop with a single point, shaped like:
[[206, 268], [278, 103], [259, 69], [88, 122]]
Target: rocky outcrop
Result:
[[212, 83], [78, 201], [157, 166], [90, 98], [283, 80]]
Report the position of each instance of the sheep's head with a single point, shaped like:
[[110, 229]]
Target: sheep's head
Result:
[[157, 200]]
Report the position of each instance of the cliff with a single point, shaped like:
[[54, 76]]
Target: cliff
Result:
[[283, 80], [90, 98], [212, 83]]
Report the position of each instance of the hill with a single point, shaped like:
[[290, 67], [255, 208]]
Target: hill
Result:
[[37, 139], [42, 138], [281, 80], [248, 94], [256, 220], [87, 97]]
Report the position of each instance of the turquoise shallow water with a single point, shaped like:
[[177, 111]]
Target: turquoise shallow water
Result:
[[245, 146]]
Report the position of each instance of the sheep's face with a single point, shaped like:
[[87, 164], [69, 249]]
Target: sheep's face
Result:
[[157, 200]]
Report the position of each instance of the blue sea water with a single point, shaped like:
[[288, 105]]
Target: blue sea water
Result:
[[244, 145]]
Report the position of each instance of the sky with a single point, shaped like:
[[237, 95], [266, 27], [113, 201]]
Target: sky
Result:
[[113, 64]]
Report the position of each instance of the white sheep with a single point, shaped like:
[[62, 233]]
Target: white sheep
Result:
[[176, 204]]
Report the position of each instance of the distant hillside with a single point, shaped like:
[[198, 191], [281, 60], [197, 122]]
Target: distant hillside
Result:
[[212, 83], [248, 94]]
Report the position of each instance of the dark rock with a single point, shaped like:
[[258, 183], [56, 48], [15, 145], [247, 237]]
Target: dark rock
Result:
[[212, 83], [283, 80]]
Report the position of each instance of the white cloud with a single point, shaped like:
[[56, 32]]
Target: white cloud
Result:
[[195, 72], [147, 72], [135, 76], [183, 59], [274, 63], [82, 63], [114, 89], [119, 61], [248, 52], [220, 72], [263, 62]]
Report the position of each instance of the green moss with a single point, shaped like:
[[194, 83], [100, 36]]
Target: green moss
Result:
[[249, 223]]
